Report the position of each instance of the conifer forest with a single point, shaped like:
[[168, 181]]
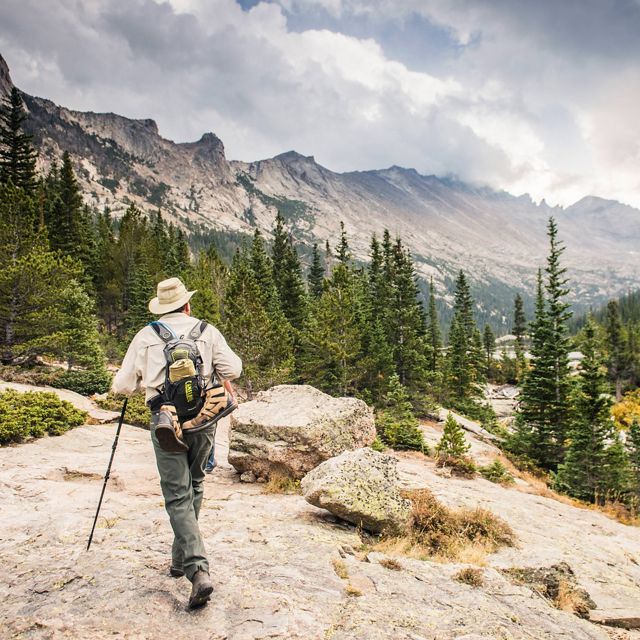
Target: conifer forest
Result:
[[75, 284]]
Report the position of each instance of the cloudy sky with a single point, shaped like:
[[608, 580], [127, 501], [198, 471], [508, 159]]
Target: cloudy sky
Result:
[[529, 96]]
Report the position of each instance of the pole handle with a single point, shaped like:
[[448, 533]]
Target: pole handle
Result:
[[108, 473]]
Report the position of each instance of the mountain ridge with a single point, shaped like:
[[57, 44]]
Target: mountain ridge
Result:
[[448, 224]]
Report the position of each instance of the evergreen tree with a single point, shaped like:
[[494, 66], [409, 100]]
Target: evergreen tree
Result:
[[558, 343], [519, 331], [452, 444], [265, 346], [397, 425], [584, 472], [344, 253], [406, 323], [541, 427], [316, 273], [489, 344], [633, 453], [462, 357], [616, 347], [17, 155], [138, 291], [263, 273], [208, 276], [331, 341], [434, 335], [79, 340]]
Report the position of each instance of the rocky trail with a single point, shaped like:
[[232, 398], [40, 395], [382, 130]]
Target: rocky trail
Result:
[[273, 556]]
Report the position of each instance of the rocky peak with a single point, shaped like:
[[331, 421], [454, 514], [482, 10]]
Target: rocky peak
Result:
[[6, 83], [289, 157]]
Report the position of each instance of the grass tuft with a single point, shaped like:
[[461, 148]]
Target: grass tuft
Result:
[[471, 576], [391, 563], [340, 568], [281, 482]]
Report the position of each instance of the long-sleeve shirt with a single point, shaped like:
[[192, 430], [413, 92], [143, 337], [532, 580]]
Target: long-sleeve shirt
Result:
[[144, 364]]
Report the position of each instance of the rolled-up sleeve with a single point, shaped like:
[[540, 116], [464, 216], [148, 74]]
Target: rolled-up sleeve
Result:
[[226, 363], [128, 378]]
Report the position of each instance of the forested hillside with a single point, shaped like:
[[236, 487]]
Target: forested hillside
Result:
[[447, 224], [75, 283]]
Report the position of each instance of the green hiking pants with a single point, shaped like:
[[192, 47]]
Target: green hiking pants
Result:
[[182, 483]]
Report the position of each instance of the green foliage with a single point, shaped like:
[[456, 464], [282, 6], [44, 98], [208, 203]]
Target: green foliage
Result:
[[378, 445], [593, 469], [452, 444], [519, 331], [17, 155], [137, 412], [85, 382], [396, 424], [34, 414], [497, 472], [316, 273]]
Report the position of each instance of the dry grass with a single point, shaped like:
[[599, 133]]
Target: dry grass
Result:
[[352, 591], [281, 482], [391, 563], [340, 568], [442, 534], [471, 576], [462, 467]]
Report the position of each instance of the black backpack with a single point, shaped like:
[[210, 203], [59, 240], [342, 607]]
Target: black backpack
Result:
[[182, 353]]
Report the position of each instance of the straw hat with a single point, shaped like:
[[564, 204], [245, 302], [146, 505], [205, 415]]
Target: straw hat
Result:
[[172, 294]]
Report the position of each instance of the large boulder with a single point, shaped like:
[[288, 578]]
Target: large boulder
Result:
[[360, 487], [293, 428]]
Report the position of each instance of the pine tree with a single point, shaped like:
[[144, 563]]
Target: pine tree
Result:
[[489, 344], [331, 341], [138, 290], [583, 473], [263, 273], [396, 423], [616, 347], [462, 357], [68, 221], [17, 155], [434, 335], [316, 273], [208, 276], [633, 453], [344, 253], [519, 331], [406, 323], [265, 346], [542, 425], [452, 444], [558, 343]]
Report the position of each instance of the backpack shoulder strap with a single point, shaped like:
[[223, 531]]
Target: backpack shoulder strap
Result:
[[197, 330], [165, 332]]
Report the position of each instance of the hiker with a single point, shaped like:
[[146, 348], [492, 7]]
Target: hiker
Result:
[[175, 361]]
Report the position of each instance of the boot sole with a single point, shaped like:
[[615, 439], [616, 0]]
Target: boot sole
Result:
[[225, 412], [201, 598], [169, 441]]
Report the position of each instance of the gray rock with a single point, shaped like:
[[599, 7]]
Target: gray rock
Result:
[[360, 487], [293, 428]]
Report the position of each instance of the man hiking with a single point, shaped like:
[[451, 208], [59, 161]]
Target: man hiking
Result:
[[182, 364]]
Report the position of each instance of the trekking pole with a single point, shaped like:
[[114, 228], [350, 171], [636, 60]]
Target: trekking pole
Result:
[[106, 477]]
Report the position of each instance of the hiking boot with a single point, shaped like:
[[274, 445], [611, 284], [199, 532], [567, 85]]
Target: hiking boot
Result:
[[217, 404], [176, 572], [168, 430], [201, 589]]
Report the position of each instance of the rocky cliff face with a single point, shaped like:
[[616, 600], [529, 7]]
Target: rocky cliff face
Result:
[[496, 237]]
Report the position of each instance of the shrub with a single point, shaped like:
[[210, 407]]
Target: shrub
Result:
[[447, 533], [497, 472], [396, 424], [32, 414], [453, 443], [471, 576], [85, 382], [137, 413], [378, 445], [464, 467]]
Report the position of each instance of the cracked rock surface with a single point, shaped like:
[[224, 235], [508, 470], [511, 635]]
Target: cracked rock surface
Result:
[[272, 557]]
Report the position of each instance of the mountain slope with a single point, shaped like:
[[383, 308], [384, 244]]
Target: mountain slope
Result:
[[498, 238]]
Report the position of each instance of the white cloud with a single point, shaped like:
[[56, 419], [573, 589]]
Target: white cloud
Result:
[[528, 99]]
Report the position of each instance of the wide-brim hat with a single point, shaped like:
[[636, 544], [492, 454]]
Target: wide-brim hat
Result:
[[171, 295]]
